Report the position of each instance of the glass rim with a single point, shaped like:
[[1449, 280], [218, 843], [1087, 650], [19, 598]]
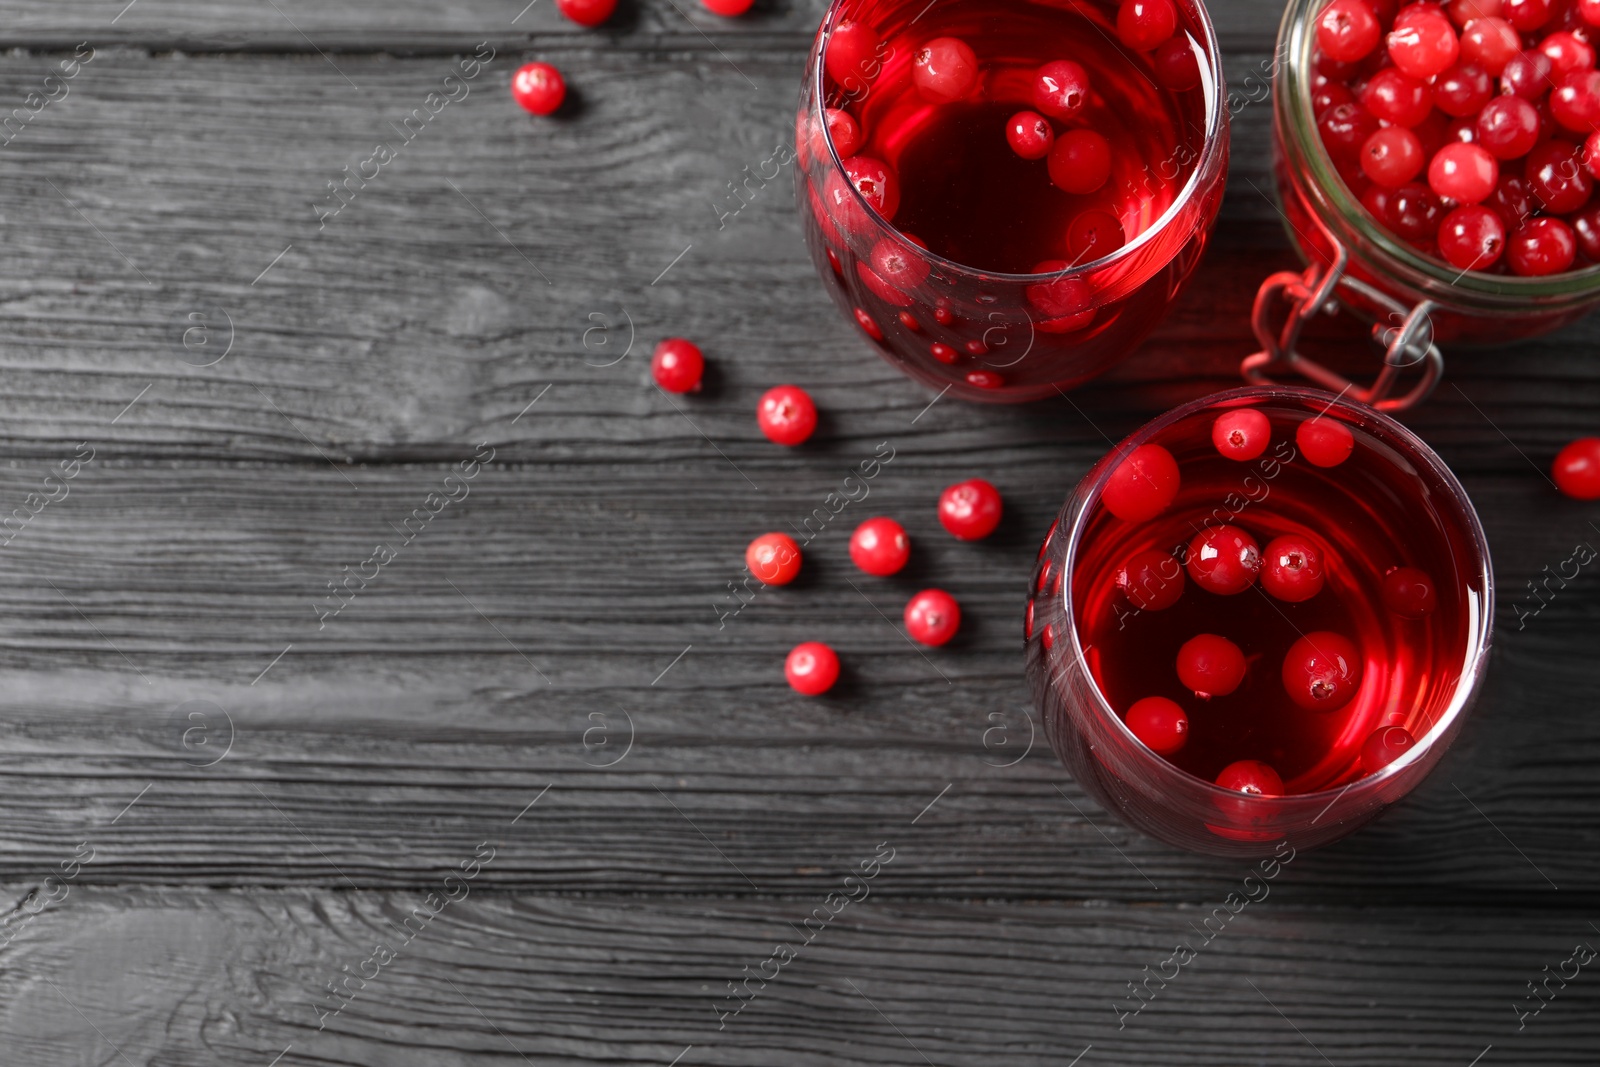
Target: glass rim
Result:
[[1474, 659], [1214, 146], [1296, 35]]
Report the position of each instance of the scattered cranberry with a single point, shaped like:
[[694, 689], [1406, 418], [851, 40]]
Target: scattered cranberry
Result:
[[1159, 724], [1324, 442], [1251, 776], [1577, 469], [1176, 65], [868, 324], [880, 546], [1224, 560], [786, 415], [539, 88], [773, 558], [1030, 134], [1027, 621], [1061, 89], [1347, 30], [985, 379], [727, 8], [932, 617], [909, 321], [1211, 666], [1322, 671], [1142, 485], [843, 131], [1152, 580], [587, 12], [1465, 173], [1243, 433], [1541, 246], [1426, 44], [944, 70], [1409, 592], [943, 352], [970, 510], [1293, 569], [1080, 161], [1143, 24], [811, 668], [677, 365], [1383, 746], [1392, 156], [1472, 238]]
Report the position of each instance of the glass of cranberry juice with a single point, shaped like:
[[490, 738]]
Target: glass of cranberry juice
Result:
[[1262, 617], [1006, 195]]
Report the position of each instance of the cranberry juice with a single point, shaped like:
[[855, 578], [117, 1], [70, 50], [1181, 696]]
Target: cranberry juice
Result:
[[1269, 597], [981, 159]]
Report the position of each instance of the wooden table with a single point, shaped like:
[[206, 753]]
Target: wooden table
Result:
[[531, 795]]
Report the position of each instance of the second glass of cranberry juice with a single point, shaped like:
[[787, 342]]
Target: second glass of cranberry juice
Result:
[[1261, 618], [1005, 195]]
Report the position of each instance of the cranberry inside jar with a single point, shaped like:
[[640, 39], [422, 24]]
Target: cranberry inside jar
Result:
[[1004, 195]]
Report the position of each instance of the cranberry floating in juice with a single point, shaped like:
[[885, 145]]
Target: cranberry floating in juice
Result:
[[1261, 617], [1004, 196]]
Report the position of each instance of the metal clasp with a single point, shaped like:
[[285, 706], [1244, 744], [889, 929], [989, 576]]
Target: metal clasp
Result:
[[1405, 345]]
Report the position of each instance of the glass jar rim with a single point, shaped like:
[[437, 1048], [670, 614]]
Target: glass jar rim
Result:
[[1080, 507], [1213, 148], [1296, 35]]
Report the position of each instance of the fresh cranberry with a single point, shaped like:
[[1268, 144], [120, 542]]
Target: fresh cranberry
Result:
[[1293, 568], [1345, 128], [1143, 24], [1392, 156], [1490, 43], [1324, 442], [1472, 238], [1577, 469], [1512, 201], [1462, 131], [1542, 246], [944, 70], [876, 183], [970, 510], [1575, 103], [727, 8], [1159, 724], [1142, 485], [1322, 671], [1526, 74], [1589, 11], [1508, 126], [1241, 434], [932, 617], [539, 88], [1409, 592], [843, 131], [677, 365], [1426, 45], [1462, 90], [943, 352], [895, 264], [773, 558], [1061, 89], [1557, 178], [985, 379], [1378, 201], [1030, 134], [1567, 52], [1586, 231], [1080, 161], [587, 12], [1251, 776], [909, 321], [1465, 173], [851, 54], [1590, 154], [1094, 234], [1152, 580], [976, 347], [1061, 295], [1527, 15], [786, 415], [1347, 30], [1383, 746], [1224, 560], [1396, 97], [880, 546], [1326, 94], [1211, 666], [1462, 12], [1175, 64], [1027, 621], [811, 668]]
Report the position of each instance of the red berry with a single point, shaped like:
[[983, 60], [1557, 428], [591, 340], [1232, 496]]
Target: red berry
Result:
[[932, 617], [1224, 560], [1589, 11], [1527, 15], [1541, 246], [1586, 230], [868, 324], [677, 365], [1490, 43], [1142, 485], [1251, 776], [843, 131], [1472, 238], [943, 352], [1241, 434], [1512, 201], [851, 55], [876, 183], [1143, 24], [1030, 134], [1152, 580], [1409, 592], [1575, 103], [1345, 128], [1175, 64], [897, 265], [1347, 30], [1463, 90], [587, 12], [1061, 89], [1465, 173], [1383, 746], [970, 510], [786, 415], [1326, 93], [1027, 621], [984, 379], [880, 546], [811, 668], [1293, 569], [1325, 442], [1322, 671], [1060, 296], [1462, 12], [1396, 97], [539, 88], [1212, 666], [1159, 724], [1567, 52], [1094, 234], [1508, 126], [944, 70], [1526, 74], [1577, 469], [1414, 212], [1557, 178], [1392, 156], [727, 8], [1080, 161], [1426, 45], [773, 558]]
